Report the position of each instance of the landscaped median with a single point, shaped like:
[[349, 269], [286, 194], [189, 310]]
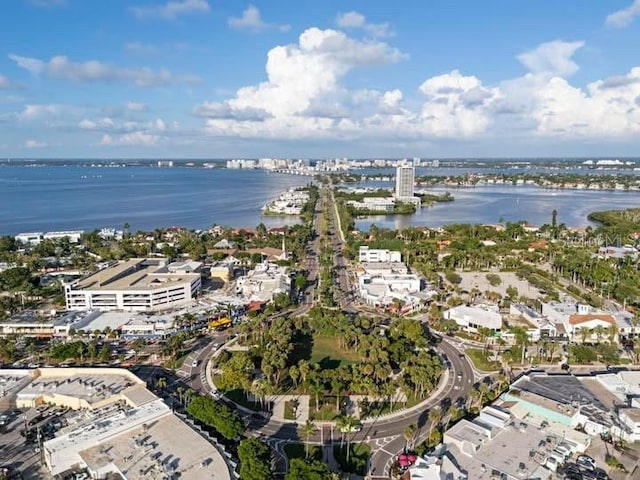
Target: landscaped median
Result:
[[481, 361]]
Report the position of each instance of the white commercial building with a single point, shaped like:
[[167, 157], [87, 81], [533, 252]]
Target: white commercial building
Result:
[[405, 182], [366, 254], [473, 318], [72, 235], [136, 285], [29, 238], [264, 282]]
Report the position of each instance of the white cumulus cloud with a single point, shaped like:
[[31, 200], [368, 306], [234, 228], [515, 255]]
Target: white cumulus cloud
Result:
[[553, 58], [299, 74], [252, 20], [93, 71], [138, 139], [356, 20], [172, 9], [622, 18], [34, 144], [136, 107]]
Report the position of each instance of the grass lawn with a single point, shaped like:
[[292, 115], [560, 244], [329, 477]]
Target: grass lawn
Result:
[[289, 412], [296, 450], [480, 361], [327, 352]]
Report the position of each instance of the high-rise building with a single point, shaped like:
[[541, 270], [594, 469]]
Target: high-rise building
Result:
[[405, 180]]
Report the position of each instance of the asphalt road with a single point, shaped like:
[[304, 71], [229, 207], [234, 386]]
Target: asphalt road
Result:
[[385, 435]]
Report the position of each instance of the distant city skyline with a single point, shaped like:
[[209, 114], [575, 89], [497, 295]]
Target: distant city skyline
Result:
[[219, 79]]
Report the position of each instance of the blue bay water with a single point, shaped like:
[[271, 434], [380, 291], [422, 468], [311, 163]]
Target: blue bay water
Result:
[[73, 197], [491, 204], [77, 197]]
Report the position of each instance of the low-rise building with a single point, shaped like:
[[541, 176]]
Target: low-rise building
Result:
[[29, 238], [373, 255], [222, 271], [72, 235], [118, 428], [264, 282], [582, 323], [136, 285], [471, 318]]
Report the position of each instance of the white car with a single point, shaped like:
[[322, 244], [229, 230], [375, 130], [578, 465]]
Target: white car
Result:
[[194, 364]]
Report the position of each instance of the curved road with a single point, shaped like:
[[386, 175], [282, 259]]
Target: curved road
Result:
[[385, 435]]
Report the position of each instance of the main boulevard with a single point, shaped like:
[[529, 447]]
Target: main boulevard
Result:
[[384, 434]]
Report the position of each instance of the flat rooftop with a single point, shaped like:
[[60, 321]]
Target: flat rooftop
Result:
[[163, 446], [565, 389], [527, 447], [91, 387], [12, 380], [134, 274]]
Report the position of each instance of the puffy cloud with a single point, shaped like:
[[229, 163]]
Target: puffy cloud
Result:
[[304, 97], [136, 107], [92, 71], [553, 58], [606, 108], [252, 21], [105, 123], [34, 144], [32, 112], [392, 98], [172, 9], [138, 138], [298, 74], [622, 18], [357, 20], [456, 105]]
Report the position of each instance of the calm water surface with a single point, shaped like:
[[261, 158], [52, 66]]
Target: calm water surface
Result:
[[491, 204], [61, 198]]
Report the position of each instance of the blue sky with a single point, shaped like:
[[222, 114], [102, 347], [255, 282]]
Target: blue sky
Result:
[[226, 78]]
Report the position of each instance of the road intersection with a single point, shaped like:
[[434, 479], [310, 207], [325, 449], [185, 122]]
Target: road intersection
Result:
[[384, 434]]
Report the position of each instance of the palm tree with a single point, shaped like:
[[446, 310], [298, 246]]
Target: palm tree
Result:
[[409, 433], [435, 415], [180, 391], [453, 413], [307, 429], [188, 395], [161, 383], [599, 331], [346, 424], [316, 389]]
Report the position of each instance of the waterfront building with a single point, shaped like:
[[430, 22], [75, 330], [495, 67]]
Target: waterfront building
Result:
[[405, 182], [29, 238], [136, 285], [72, 235]]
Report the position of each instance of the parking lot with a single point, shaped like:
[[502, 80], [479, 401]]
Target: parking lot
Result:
[[18, 451]]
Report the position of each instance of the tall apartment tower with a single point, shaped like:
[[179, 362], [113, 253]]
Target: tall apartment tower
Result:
[[405, 181]]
